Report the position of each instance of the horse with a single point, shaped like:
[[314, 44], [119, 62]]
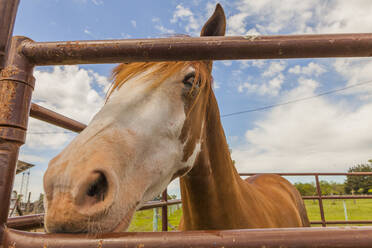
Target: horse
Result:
[[161, 121]]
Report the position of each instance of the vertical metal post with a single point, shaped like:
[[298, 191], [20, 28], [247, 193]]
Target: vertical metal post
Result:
[[8, 12], [16, 86], [164, 211], [320, 200], [155, 219]]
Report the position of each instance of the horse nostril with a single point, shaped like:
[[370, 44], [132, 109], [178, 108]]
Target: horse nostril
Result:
[[98, 189]]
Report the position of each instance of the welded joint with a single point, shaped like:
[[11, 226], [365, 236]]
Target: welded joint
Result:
[[16, 85], [13, 73]]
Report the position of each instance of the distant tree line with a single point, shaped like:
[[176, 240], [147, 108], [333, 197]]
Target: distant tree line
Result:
[[359, 184], [352, 184], [328, 188]]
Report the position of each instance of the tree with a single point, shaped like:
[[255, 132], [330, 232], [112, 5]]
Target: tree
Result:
[[359, 184], [307, 189]]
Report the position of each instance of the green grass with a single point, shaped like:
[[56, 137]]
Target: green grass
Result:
[[143, 220], [333, 209]]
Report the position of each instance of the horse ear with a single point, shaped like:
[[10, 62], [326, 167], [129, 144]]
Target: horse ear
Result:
[[216, 24]]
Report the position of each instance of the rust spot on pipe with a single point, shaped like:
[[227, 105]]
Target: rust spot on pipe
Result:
[[9, 71], [7, 93]]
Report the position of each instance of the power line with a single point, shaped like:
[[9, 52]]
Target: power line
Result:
[[260, 108], [56, 132], [295, 100]]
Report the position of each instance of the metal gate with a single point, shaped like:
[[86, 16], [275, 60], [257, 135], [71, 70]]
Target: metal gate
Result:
[[19, 55]]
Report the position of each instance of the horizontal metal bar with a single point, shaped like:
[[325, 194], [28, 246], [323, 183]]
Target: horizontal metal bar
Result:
[[335, 197], [313, 174], [26, 221], [200, 48], [158, 204], [336, 222], [8, 12], [54, 118], [250, 238], [37, 220]]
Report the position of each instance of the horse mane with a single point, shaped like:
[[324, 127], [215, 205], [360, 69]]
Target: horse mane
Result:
[[161, 70]]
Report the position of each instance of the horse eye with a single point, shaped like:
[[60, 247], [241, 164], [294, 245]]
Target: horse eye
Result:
[[188, 81]]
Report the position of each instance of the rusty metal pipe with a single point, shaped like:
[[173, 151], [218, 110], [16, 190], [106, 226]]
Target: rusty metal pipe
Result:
[[338, 222], [16, 86], [26, 221], [313, 174], [200, 48], [320, 201], [334, 197], [54, 118], [164, 211], [8, 12], [344, 237], [37, 220]]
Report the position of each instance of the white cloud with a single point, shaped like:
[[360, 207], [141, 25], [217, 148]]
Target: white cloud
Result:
[[163, 29], [345, 17], [227, 62], [160, 27], [125, 36], [134, 23], [236, 24], [271, 87], [312, 69], [315, 135], [180, 13], [275, 68], [190, 23], [98, 2], [296, 16], [72, 91], [355, 72], [258, 63], [86, 31]]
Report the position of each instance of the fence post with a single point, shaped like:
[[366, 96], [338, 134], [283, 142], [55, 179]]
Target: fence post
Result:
[[155, 219], [8, 12], [319, 191], [16, 86], [164, 211]]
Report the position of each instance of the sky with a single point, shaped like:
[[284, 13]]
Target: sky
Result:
[[323, 134]]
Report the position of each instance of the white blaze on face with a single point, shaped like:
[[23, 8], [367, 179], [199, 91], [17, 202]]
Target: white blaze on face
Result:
[[153, 119]]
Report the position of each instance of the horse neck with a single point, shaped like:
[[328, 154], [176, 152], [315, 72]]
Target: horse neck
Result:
[[210, 191]]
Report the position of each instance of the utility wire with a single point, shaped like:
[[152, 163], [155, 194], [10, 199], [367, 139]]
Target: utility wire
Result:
[[56, 132], [260, 108], [295, 100]]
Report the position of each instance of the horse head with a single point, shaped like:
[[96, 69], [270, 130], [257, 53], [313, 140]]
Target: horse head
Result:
[[147, 134]]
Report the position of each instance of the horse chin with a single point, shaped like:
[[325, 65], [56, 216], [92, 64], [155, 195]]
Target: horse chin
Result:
[[124, 223]]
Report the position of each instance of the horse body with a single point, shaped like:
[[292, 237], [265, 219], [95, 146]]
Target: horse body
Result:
[[161, 121], [215, 197]]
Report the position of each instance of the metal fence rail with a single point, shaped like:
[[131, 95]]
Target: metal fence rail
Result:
[[320, 197], [248, 238], [201, 48], [32, 221], [19, 55]]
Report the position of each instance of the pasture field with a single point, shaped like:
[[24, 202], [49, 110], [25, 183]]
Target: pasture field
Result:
[[333, 209]]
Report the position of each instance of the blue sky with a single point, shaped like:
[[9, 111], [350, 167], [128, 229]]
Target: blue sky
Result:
[[330, 133]]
